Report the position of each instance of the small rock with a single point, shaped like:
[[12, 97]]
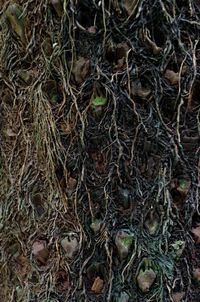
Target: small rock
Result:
[[97, 286], [123, 242], [70, 244]]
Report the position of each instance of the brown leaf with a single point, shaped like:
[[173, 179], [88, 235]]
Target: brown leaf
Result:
[[24, 266], [37, 201], [138, 90], [40, 251], [172, 77], [177, 297], [196, 274], [148, 43], [97, 286], [151, 222], [183, 186], [196, 233], [80, 69], [10, 133], [58, 7], [145, 280], [121, 50], [62, 280], [123, 242], [92, 30], [71, 184], [130, 6]]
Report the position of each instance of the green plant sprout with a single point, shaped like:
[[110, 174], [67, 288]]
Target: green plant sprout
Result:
[[127, 241], [99, 101]]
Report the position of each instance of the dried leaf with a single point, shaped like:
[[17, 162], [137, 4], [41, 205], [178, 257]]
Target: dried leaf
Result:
[[24, 266], [16, 20], [145, 280], [37, 201], [80, 69], [146, 276], [124, 297], [183, 186], [177, 297], [149, 43], [92, 30], [58, 7], [172, 77], [40, 251], [62, 280], [196, 274], [121, 50], [96, 225], [123, 242], [196, 233], [152, 222], [138, 90], [47, 47], [97, 286], [9, 132], [50, 89], [130, 6], [71, 184], [177, 248]]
